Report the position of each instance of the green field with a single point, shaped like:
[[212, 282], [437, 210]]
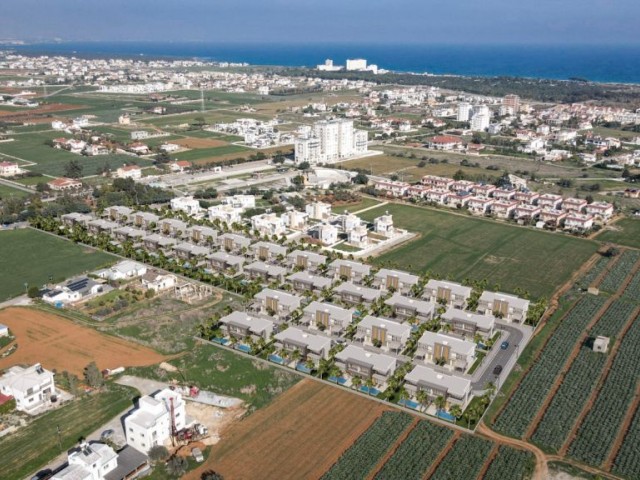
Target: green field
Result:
[[460, 247], [365, 202], [227, 373], [33, 446], [204, 153], [52, 161], [29, 256], [10, 192], [627, 232]]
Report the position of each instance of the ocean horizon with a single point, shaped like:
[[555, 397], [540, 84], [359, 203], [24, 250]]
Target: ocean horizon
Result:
[[602, 63]]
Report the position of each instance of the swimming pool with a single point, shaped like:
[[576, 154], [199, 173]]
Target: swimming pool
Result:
[[276, 359], [221, 341], [338, 380], [445, 415], [409, 404], [243, 348], [301, 367], [369, 391]]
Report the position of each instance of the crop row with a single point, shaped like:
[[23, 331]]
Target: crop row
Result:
[[600, 427], [632, 291], [418, 451], [464, 460], [512, 464], [612, 281], [364, 454], [534, 387], [589, 277], [627, 462], [613, 319], [568, 401]]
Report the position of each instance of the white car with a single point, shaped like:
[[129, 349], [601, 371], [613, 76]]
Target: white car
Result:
[[197, 455]]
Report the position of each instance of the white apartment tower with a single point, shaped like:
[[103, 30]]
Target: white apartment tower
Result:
[[464, 112], [330, 141], [481, 118], [356, 64]]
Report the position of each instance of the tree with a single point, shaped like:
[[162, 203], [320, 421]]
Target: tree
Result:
[[304, 166], [73, 169], [360, 179], [42, 187], [177, 466], [211, 475], [456, 411], [459, 175], [440, 402], [33, 292], [93, 376], [158, 453]]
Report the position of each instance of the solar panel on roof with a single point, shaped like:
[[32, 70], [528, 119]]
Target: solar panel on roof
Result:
[[78, 285]]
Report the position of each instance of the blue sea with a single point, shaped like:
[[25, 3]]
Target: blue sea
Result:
[[619, 64]]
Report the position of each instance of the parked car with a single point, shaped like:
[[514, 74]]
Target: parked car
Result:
[[197, 455], [504, 345], [497, 370], [107, 434]]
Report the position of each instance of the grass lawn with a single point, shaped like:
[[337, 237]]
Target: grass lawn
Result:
[[8, 192], [33, 446], [460, 247], [29, 181], [225, 372], [627, 232], [29, 256], [365, 202]]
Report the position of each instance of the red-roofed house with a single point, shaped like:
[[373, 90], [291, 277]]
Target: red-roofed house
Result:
[[600, 210], [129, 171], [63, 183], [179, 166], [445, 142], [8, 169]]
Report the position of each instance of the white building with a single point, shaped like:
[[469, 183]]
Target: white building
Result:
[[318, 211], [268, 224], [356, 64], [295, 220], [480, 119], [225, 213], [240, 201], [129, 171], [189, 205], [151, 423], [9, 169], [464, 112], [327, 234], [31, 387], [123, 271], [383, 225], [89, 462], [330, 141]]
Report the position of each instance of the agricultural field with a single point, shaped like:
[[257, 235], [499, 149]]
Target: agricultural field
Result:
[[534, 387], [7, 192], [474, 451], [51, 161], [300, 435], [222, 371], [416, 453], [510, 463], [460, 247], [365, 452], [204, 154], [365, 202], [33, 446], [624, 232], [32, 257], [623, 266], [60, 344]]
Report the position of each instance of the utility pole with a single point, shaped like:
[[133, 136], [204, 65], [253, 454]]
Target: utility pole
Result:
[[59, 439], [201, 100]]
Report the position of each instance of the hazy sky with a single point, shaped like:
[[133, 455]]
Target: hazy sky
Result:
[[312, 21]]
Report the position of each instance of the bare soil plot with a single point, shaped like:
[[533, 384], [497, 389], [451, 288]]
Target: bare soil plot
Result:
[[300, 435], [193, 142], [58, 343]]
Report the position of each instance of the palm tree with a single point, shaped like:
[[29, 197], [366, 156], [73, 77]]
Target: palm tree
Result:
[[440, 402], [370, 383], [456, 411], [356, 382]]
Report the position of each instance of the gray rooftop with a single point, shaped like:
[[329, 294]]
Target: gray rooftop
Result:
[[455, 288], [355, 266], [394, 328], [368, 294], [284, 298], [421, 306], [380, 362], [485, 322], [312, 256], [226, 257], [315, 343], [316, 281], [404, 277], [515, 302], [255, 323], [458, 346], [337, 313], [273, 270], [273, 248], [422, 375]]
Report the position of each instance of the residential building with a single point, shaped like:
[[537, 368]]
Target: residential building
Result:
[[504, 209], [464, 112], [480, 118], [202, 235], [392, 188], [448, 293], [330, 141], [446, 350], [575, 205], [62, 184], [74, 218], [348, 270], [600, 210], [456, 390], [327, 317], [89, 462], [241, 325], [468, 324], [310, 347], [305, 260], [383, 225], [152, 422], [129, 171], [440, 183], [484, 191], [98, 226], [225, 213], [526, 212], [277, 303], [578, 222], [232, 242], [383, 333], [158, 281], [504, 194], [445, 142], [327, 234], [552, 217], [73, 291], [124, 234], [119, 214], [240, 201], [480, 205], [353, 294], [173, 227], [268, 252], [124, 270], [358, 362], [227, 263], [502, 305], [305, 281], [8, 169], [145, 220], [158, 242], [319, 211], [265, 272], [358, 236], [408, 307], [188, 205], [550, 201], [31, 387], [4, 330], [268, 224], [188, 251], [295, 220], [395, 280]]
